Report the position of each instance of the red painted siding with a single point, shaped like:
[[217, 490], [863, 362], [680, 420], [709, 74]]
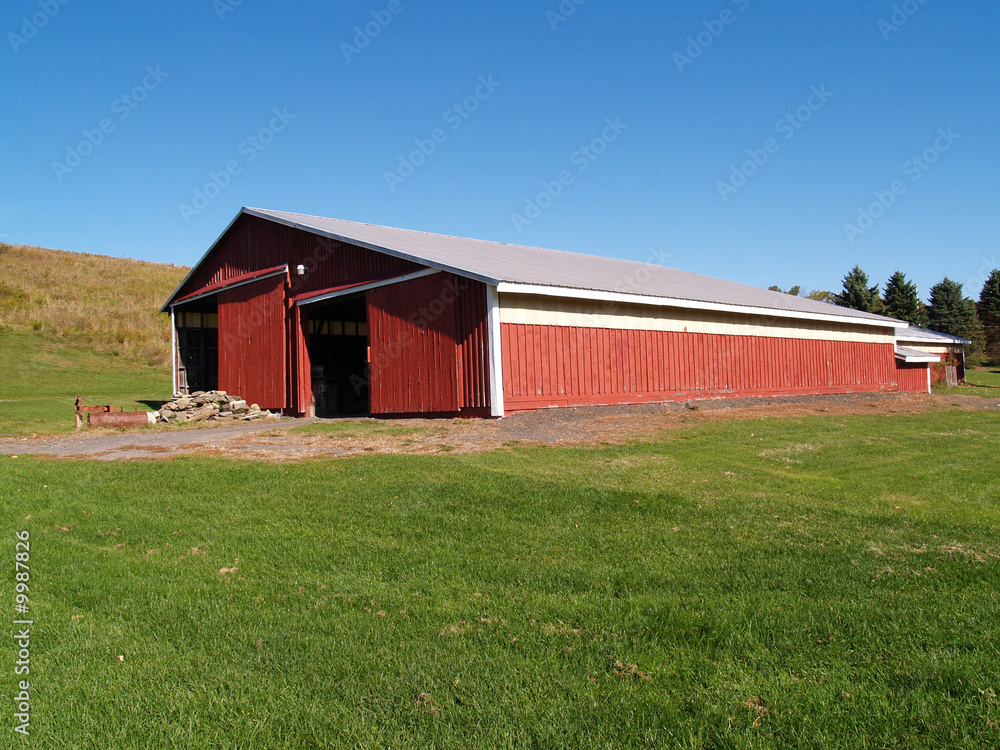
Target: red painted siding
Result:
[[563, 366], [253, 244], [938, 374], [300, 396], [473, 343], [252, 342], [911, 377], [414, 354]]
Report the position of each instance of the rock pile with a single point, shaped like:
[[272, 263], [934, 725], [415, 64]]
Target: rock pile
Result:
[[213, 406]]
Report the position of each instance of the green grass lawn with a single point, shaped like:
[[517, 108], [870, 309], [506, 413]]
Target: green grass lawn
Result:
[[42, 379], [982, 381], [815, 583]]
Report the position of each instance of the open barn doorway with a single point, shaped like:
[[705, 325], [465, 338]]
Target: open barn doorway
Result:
[[338, 351], [197, 340]]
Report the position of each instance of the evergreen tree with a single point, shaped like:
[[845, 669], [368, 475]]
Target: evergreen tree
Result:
[[857, 295], [950, 312], [988, 310], [901, 301]]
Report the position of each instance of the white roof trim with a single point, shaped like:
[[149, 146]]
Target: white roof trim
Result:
[[640, 299], [925, 336], [366, 287], [195, 267], [915, 355], [225, 288]]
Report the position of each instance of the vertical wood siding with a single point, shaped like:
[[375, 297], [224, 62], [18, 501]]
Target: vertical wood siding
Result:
[[253, 244], [441, 366], [300, 387], [561, 366], [938, 374], [473, 343], [252, 342], [414, 353], [911, 377]]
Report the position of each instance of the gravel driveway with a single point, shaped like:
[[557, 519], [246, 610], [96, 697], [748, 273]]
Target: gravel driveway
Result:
[[282, 440]]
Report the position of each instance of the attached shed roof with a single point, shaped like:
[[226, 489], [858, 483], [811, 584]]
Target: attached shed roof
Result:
[[915, 355], [516, 268], [916, 335]]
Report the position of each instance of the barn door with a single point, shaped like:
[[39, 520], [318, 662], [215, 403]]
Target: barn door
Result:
[[413, 354], [252, 342]]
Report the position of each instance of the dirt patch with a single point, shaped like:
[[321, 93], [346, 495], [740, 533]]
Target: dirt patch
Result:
[[610, 425]]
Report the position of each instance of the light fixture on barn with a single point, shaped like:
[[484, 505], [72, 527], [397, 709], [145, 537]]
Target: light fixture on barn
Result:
[[300, 270]]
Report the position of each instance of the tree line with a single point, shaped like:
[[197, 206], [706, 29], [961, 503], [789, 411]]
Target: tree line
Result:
[[948, 310]]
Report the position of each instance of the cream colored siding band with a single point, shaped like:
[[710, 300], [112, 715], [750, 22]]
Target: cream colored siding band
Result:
[[553, 311]]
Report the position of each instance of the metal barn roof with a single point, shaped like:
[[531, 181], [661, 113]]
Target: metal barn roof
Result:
[[915, 355], [519, 268], [924, 336]]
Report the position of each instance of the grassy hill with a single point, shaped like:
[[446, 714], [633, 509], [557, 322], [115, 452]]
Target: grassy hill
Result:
[[79, 324], [90, 302]]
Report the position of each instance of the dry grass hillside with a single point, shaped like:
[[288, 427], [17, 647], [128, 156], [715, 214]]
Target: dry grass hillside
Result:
[[92, 302]]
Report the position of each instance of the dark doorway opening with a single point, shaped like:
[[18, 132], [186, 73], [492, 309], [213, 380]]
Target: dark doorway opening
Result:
[[197, 348], [338, 350]]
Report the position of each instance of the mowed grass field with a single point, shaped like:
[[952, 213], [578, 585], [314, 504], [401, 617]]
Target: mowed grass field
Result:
[[792, 583], [42, 378], [982, 381]]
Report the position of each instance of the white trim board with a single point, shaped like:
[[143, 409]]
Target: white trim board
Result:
[[225, 288], [495, 351], [365, 287]]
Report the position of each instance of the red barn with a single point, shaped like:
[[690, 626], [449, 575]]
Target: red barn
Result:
[[940, 349], [311, 315]]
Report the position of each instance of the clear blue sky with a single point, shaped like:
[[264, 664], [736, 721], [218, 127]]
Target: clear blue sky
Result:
[[180, 87]]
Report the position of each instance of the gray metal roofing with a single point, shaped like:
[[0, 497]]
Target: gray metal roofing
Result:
[[496, 263], [913, 355], [931, 337]]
